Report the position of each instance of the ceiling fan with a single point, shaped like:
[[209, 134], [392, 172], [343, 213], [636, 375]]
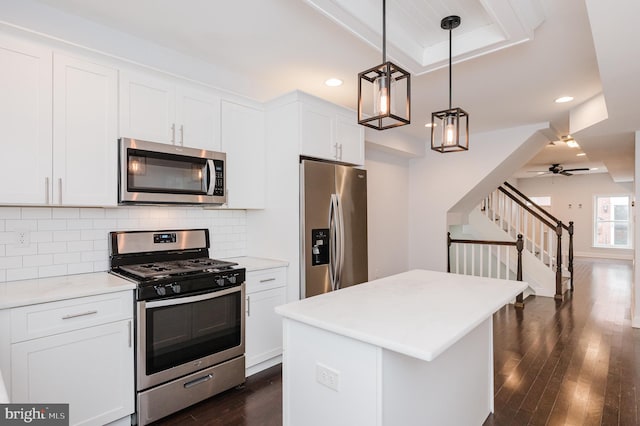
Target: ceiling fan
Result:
[[557, 169]]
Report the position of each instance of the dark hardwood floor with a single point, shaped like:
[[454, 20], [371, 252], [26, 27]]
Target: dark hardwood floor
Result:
[[575, 362]]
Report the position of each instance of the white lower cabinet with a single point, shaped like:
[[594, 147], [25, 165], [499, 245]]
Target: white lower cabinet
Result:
[[266, 289], [82, 362]]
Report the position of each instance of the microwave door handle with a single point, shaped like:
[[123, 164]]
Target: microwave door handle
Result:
[[212, 177]]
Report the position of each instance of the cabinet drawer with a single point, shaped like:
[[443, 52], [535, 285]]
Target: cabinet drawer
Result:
[[45, 319], [266, 279]]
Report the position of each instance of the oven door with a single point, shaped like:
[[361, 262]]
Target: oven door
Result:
[[181, 335], [166, 174]]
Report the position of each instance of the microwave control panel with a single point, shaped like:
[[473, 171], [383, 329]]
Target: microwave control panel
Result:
[[218, 165]]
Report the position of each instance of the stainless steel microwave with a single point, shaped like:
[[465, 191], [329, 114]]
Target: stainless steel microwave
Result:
[[157, 173]]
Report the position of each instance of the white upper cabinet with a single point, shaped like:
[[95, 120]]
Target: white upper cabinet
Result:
[[198, 113], [330, 132], [84, 133], [25, 108], [243, 140], [161, 110]]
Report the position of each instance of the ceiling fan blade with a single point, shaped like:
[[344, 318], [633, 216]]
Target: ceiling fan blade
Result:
[[582, 169], [566, 173]]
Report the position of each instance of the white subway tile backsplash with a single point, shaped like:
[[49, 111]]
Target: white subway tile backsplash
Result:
[[36, 213], [10, 213], [79, 246], [22, 274], [20, 225], [37, 260], [65, 213], [57, 247], [91, 213], [52, 225], [14, 250], [52, 271], [68, 240], [81, 268]]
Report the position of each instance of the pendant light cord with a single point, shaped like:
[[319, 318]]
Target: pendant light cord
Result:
[[384, 31], [450, 53]]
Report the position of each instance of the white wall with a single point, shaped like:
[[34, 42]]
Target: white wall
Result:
[[635, 289], [572, 198], [438, 181], [65, 240], [388, 218]]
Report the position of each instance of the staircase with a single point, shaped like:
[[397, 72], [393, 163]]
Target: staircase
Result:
[[547, 259]]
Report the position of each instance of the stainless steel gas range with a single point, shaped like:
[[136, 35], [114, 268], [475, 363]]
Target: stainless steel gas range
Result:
[[189, 318]]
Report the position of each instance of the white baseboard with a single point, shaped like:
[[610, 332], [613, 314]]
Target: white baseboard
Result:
[[262, 366], [616, 256]]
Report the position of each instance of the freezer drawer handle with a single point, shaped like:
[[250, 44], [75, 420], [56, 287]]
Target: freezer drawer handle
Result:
[[198, 381]]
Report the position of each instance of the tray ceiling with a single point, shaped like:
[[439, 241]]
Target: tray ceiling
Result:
[[414, 37]]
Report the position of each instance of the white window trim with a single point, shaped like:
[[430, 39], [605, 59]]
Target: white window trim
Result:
[[595, 222]]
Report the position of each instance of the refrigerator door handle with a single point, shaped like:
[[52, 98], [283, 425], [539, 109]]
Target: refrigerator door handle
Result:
[[332, 240], [339, 242]]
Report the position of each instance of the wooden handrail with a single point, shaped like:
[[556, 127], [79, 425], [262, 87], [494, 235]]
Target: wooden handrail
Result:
[[518, 244], [529, 200], [527, 208]]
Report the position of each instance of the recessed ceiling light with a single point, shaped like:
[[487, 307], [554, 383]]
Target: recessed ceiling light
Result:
[[564, 99], [593, 168], [572, 144], [430, 124], [333, 82], [582, 154]]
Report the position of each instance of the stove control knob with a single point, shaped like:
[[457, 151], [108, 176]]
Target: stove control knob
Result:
[[176, 288], [232, 279], [160, 290], [220, 281]]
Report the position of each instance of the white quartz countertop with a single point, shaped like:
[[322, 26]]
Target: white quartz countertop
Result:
[[41, 290], [418, 313], [257, 263]]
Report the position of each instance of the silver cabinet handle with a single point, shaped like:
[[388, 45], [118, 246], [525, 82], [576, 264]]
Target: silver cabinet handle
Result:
[[130, 332], [173, 133], [59, 190], [267, 280], [46, 190], [182, 134], [248, 306], [335, 145], [82, 314], [340, 152], [198, 381]]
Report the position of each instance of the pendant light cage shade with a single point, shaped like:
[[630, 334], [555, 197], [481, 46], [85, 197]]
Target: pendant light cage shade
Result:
[[450, 130], [384, 97]]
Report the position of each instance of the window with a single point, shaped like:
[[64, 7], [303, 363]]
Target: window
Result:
[[612, 221]]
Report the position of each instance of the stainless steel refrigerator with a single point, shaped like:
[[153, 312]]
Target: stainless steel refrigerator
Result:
[[333, 209]]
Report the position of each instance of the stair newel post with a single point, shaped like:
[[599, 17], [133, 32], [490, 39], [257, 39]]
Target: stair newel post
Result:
[[571, 252], [519, 247], [449, 252], [558, 295]]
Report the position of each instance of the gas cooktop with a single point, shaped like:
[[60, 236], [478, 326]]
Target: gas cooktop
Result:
[[178, 267]]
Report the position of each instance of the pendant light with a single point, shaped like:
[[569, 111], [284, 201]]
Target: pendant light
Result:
[[384, 99], [450, 128]]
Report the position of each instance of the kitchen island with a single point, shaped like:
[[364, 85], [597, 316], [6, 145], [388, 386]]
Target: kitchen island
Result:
[[410, 349]]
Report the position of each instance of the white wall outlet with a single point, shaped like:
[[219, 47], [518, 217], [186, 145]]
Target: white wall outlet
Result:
[[22, 238], [328, 377]]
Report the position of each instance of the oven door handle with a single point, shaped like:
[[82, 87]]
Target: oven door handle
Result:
[[191, 299]]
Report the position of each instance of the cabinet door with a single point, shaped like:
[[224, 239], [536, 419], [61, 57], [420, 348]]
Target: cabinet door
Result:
[[263, 326], [84, 133], [198, 119], [244, 142], [350, 139], [90, 369], [317, 133], [147, 108], [25, 108]]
